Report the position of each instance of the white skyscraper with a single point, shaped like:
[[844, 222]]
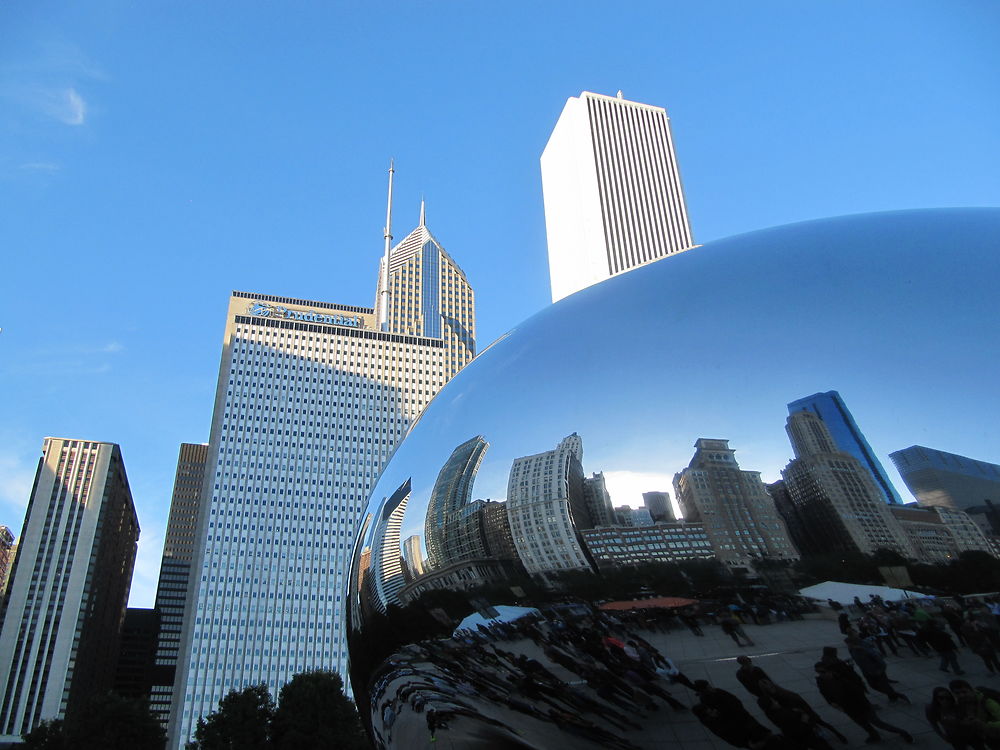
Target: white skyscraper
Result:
[[613, 195], [69, 586], [312, 399]]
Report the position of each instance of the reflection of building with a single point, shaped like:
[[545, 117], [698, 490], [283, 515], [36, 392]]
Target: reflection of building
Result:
[[386, 573], [312, 399], [461, 576], [847, 436], [626, 515], [175, 571], [69, 586], [8, 549], [939, 478], [546, 506], [661, 542], [835, 497], [659, 507], [940, 534], [413, 559], [739, 516], [613, 196], [595, 495], [450, 531]]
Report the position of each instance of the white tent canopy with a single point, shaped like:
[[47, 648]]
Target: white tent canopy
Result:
[[845, 592], [504, 614]]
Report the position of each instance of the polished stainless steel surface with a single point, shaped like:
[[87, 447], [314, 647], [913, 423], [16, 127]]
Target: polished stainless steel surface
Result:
[[496, 498]]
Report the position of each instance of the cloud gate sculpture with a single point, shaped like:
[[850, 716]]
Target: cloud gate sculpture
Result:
[[576, 502]]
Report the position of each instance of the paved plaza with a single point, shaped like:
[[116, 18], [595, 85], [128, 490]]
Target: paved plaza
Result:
[[786, 651]]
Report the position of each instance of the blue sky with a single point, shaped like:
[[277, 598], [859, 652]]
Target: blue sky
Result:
[[155, 156]]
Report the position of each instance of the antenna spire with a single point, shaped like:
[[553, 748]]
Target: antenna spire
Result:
[[383, 303], [423, 212]]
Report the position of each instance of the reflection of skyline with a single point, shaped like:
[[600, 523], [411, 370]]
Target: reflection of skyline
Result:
[[449, 497]]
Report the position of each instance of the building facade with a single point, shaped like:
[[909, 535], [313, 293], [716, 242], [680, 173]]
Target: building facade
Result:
[[626, 515], [659, 507], [312, 399], [847, 436], [835, 496], [137, 670], [546, 507], [613, 547], [947, 479], [612, 191], [179, 549], [69, 587], [738, 515]]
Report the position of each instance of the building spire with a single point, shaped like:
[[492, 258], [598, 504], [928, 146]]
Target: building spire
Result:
[[423, 213], [383, 303]]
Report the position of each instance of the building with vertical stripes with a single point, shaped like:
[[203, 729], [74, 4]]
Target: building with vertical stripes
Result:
[[179, 549], [69, 587], [312, 399], [612, 190]]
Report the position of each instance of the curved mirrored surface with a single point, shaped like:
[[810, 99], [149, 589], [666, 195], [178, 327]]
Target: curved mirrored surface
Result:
[[603, 482]]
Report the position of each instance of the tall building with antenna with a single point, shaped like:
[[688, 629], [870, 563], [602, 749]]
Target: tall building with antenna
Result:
[[612, 190], [311, 401]]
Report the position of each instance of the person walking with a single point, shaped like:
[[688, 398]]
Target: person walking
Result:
[[724, 715], [750, 675], [843, 695], [731, 627], [788, 699], [941, 642], [872, 666], [977, 638]]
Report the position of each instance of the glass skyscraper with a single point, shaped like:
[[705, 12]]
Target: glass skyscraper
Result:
[[847, 436]]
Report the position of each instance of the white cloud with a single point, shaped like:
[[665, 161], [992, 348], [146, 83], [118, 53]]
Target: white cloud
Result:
[[111, 347], [75, 111]]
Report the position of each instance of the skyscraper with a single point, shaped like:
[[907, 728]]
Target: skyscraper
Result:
[[738, 514], [947, 479], [658, 505], [612, 189], [847, 436], [547, 508], [312, 399], [179, 549], [69, 587], [835, 495]]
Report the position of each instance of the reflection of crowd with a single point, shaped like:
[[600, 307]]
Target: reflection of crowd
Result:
[[967, 717], [616, 677], [591, 675]]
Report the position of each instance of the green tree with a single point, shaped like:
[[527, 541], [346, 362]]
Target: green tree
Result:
[[242, 722], [106, 722], [49, 735], [313, 714]]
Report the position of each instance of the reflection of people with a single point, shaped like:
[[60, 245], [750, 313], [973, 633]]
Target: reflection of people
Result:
[[750, 675], [723, 714], [945, 717], [842, 692], [731, 627]]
